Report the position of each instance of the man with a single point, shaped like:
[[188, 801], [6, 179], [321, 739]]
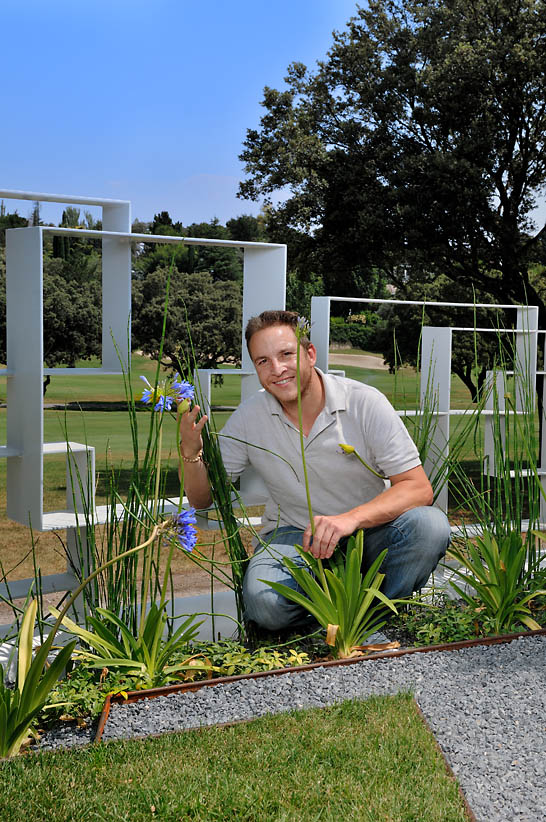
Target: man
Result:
[[345, 496]]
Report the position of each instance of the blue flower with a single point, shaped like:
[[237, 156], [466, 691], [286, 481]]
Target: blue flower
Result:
[[302, 327], [183, 390], [185, 530], [165, 395]]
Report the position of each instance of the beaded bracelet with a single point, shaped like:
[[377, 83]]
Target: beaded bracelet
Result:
[[198, 458]]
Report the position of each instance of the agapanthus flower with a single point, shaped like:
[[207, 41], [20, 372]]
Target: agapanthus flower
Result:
[[183, 525], [167, 393], [303, 327], [182, 389]]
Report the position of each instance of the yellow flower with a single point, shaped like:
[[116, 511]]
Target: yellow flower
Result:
[[348, 449]]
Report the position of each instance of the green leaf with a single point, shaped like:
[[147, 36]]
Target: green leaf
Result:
[[25, 645]]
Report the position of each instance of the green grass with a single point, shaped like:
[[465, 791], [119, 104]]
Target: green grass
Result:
[[369, 761]]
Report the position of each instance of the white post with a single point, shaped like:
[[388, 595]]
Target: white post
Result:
[[80, 497], [320, 329], [264, 289], [24, 300], [435, 400], [526, 358], [495, 403], [116, 287], [543, 448]]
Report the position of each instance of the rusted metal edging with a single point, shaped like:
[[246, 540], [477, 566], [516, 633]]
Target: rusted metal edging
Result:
[[182, 687]]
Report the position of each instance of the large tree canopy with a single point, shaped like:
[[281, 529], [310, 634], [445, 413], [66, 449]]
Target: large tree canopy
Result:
[[417, 146], [208, 310]]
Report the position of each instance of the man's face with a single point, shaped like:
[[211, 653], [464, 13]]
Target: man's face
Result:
[[273, 351]]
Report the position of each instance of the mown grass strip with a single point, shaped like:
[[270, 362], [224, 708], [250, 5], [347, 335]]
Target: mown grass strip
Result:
[[370, 761]]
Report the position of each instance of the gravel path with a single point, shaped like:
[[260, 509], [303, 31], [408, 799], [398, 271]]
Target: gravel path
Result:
[[486, 706]]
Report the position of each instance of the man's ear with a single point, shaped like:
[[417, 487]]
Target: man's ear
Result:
[[312, 353]]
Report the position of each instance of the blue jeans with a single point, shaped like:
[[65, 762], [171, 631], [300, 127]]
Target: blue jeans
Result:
[[416, 541]]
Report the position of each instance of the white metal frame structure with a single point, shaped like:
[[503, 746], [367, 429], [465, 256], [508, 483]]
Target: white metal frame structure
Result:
[[264, 285]]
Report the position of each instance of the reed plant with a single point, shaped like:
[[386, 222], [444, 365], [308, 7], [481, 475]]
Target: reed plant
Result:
[[498, 554]]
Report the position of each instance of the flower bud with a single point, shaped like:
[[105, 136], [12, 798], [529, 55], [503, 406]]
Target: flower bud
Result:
[[348, 449]]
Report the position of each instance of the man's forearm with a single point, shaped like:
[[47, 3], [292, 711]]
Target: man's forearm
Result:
[[196, 483]]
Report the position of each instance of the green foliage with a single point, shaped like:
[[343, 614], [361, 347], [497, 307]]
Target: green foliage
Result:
[[221, 262], [35, 679], [398, 151], [10, 221], [446, 621], [72, 320], [346, 603], [82, 692], [355, 334], [299, 292], [496, 571], [147, 656], [230, 658], [211, 309]]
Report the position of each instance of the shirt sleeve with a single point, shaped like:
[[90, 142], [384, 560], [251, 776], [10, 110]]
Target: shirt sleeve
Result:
[[390, 442], [233, 445]]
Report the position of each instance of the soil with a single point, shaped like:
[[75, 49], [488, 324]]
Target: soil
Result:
[[360, 360]]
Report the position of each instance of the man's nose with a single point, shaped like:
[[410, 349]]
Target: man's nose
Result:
[[277, 366]]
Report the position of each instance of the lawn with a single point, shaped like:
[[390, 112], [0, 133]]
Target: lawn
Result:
[[370, 761]]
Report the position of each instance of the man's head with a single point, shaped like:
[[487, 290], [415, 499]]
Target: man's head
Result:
[[269, 318], [272, 345]]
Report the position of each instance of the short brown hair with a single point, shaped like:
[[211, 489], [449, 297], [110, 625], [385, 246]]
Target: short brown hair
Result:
[[267, 319]]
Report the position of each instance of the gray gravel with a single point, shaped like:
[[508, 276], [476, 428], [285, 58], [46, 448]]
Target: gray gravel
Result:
[[486, 706]]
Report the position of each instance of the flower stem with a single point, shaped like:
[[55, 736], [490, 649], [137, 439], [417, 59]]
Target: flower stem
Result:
[[155, 509], [304, 464]]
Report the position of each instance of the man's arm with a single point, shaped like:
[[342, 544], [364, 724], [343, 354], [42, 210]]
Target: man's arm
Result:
[[196, 481], [408, 490]]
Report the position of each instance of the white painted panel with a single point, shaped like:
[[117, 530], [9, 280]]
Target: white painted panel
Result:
[[494, 398], [526, 357], [116, 287], [24, 389], [320, 329], [264, 286], [435, 396]]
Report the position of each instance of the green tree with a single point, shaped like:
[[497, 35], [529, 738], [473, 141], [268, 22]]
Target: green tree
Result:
[[249, 228], [223, 263], [10, 221], [417, 147], [210, 308], [72, 319]]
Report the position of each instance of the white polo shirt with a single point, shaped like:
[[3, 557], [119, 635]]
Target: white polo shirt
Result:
[[354, 414]]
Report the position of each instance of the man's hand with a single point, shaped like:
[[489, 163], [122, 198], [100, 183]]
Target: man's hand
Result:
[[189, 431], [328, 532]]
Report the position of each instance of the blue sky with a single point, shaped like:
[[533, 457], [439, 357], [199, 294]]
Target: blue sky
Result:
[[146, 101]]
